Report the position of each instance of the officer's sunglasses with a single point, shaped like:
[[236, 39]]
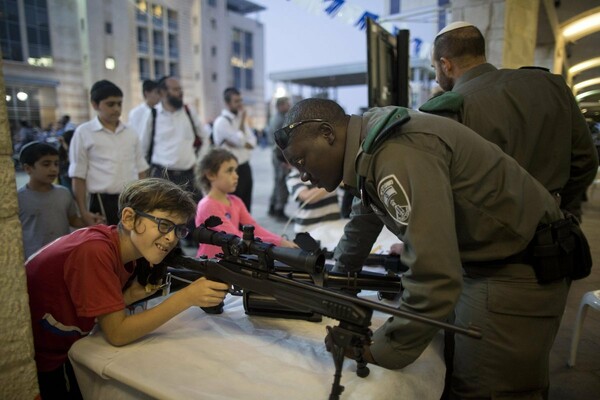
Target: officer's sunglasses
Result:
[[282, 135], [165, 226]]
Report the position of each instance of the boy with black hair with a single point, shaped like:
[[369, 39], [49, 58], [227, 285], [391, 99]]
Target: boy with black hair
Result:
[[82, 278], [139, 116], [46, 210], [105, 155]]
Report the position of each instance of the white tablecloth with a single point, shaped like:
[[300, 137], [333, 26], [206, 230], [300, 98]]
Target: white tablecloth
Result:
[[235, 356], [328, 233]]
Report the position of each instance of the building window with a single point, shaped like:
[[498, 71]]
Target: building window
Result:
[[212, 3], [249, 79], [141, 11], [10, 35], [237, 77], [157, 15], [144, 66], [248, 49], [159, 69], [38, 29], [173, 69], [173, 47], [32, 44], [214, 77], [159, 45], [213, 51], [236, 45], [142, 39], [242, 59], [213, 23], [172, 20], [108, 28]]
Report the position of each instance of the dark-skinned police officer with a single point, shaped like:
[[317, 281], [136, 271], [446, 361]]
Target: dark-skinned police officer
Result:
[[468, 216]]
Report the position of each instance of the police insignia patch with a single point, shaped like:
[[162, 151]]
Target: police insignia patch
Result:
[[394, 198]]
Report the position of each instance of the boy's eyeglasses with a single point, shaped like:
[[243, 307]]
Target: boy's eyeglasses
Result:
[[165, 226], [282, 135]]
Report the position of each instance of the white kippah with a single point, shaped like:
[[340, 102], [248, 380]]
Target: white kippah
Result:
[[453, 26]]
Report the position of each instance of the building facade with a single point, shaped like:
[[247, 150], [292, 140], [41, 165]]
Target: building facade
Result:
[[54, 50]]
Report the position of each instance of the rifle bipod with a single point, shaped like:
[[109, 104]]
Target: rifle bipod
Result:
[[342, 338]]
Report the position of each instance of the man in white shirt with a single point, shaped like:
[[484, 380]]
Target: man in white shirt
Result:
[[173, 140], [138, 116], [105, 155], [232, 131]]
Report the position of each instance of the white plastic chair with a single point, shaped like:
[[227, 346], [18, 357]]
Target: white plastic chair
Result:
[[590, 299]]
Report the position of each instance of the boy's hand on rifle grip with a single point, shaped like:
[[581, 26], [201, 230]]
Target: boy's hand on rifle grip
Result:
[[205, 293]]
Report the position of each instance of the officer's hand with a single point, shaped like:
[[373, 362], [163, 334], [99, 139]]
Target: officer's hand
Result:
[[397, 248]]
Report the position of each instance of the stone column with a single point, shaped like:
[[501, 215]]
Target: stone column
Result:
[[17, 368]]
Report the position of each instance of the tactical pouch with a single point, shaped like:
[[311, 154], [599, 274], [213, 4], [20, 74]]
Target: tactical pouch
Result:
[[560, 250], [582, 257]]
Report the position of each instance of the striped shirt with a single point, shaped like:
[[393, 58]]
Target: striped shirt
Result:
[[310, 215]]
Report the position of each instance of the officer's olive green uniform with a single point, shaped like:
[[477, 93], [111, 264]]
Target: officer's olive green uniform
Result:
[[532, 116], [453, 197]]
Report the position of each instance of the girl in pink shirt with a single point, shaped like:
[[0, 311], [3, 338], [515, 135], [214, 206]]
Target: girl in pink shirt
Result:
[[217, 175]]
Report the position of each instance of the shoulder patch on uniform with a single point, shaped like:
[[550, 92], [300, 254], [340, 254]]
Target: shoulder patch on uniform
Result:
[[394, 198], [447, 102]]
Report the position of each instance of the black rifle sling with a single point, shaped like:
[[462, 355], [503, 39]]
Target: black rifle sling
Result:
[[152, 133], [196, 137]]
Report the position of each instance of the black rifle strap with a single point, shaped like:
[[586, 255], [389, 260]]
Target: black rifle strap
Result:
[[187, 111], [152, 132]]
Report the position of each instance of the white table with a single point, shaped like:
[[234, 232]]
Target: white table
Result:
[[235, 356], [328, 233]]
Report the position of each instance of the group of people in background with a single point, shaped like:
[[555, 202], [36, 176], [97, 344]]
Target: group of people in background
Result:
[[162, 138], [143, 186]]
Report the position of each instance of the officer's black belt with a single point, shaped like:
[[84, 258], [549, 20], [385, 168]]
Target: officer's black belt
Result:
[[556, 251], [523, 257]]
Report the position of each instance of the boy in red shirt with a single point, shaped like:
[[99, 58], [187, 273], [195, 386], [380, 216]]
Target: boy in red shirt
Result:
[[79, 279]]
